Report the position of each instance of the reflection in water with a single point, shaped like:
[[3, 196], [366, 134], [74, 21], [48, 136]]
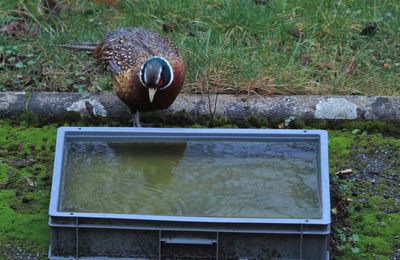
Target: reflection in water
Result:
[[218, 179], [155, 160]]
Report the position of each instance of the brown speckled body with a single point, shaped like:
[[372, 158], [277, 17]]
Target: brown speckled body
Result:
[[124, 51]]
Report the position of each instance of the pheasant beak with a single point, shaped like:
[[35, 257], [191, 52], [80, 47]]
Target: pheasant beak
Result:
[[152, 92]]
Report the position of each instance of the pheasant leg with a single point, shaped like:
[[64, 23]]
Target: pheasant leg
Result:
[[136, 119]]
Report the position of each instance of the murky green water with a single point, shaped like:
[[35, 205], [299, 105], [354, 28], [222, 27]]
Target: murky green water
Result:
[[213, 179]]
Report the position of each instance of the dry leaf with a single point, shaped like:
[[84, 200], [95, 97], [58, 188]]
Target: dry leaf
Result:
[[113, 3], [56, 8], [21, 13], [350, 68], [29, 181], [305, 58], [326, 65], [344, 172], [17, 28]]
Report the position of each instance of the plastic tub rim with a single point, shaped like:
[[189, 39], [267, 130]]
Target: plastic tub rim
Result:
[[63, 132]]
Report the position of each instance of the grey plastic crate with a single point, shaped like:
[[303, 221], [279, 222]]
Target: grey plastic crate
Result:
[[86, 235]]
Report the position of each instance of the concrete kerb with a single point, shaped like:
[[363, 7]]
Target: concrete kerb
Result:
[[60, 104]]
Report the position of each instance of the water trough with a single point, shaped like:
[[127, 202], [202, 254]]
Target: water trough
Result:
[[157, 193]]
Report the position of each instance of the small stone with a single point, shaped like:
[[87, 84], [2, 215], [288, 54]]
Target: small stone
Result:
[[362, 200]]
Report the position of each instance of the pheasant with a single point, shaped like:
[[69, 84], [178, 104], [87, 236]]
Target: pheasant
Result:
[[147, 69]]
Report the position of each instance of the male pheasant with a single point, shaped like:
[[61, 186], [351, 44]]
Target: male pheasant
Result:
[[146, 68]]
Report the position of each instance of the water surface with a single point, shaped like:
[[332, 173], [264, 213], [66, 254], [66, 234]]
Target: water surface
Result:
[[212, 179]]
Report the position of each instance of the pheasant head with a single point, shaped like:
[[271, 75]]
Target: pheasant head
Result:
[[156, 74]]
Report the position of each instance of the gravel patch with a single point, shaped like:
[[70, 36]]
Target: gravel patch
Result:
[[10, 251]]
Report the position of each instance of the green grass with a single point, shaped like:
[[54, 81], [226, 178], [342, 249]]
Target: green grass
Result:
[[235, 46]]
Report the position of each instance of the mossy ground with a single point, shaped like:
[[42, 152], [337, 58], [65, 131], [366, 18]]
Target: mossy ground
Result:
[[366, 213], [365, 206], [25, 175]]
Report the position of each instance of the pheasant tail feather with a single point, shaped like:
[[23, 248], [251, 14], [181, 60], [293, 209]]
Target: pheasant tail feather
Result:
[[80, 46]]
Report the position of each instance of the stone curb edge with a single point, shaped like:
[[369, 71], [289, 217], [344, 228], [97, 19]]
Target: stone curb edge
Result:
[[106, 104]]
